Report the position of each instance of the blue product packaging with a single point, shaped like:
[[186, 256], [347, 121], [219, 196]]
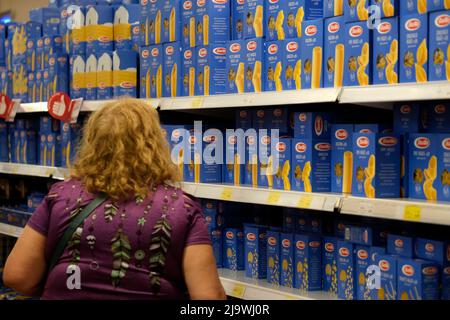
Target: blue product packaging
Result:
[[188, 9], [125, 73], [438, 117], [417, 279], [40, 63], [236, 66], [361, 235], [385, 52], [372, 128], [254, 18], [358, 60], [2, 45], [278, 119], [237, 18], [389, 8], [282, 176], [234, 248], [99, 29], [308, 262], [357, 10], [52, 44], [274, 20], [210, 170], [4, 146], [407, 118], [292, 65], [265, 153], [329, 265], [273, 257], [234, 167], [189, 72], [173, 72], [388, 281], [311, 46], [77, 77], [346, 270], [333, 8], [254, 78], [251, 159], [58, 70], [341, 158], [439, 59], [400, 245], [171, 20], [287, 250], [255, 251], [104, 76], [49, 18], [362, 261], [91, 77], [289, 219], [211, 70], [413, 7], [334, 52], [437, 5], [312, 125], [77, 33], [443, 167], [151, 71], [31, 55], [428, 249], [274, 66], [212, 22], [217, 243]]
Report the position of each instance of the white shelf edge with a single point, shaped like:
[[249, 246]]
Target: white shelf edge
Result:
[[26, 169], [10, 230]]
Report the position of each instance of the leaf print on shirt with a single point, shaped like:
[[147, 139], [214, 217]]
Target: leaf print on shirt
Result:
[[159, 245], [121, 250], [74, 245], [110, 211]]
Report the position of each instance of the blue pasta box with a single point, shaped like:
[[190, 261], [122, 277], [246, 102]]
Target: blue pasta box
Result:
[[99, 29], [407, 118], [254, 18], [49, 18], [2, 44], [77, 77], [254, 78], [358, 60], [171, 20], [341, 158], [236, 66], [14, 143], [211, 70], [413, 51], [189, 72], [173, 72], [388, 8], [237, 17], [212, 22], [217, 243], [234, 248], [144, 26], [428, 249], [293, 16], [413, 7], [346, 270], [50, 150], [251, 159], [260, 118], [362, 261], [292, 65], [191, 173], [8, 54], [311, 44], [243, 119], [52, 44], [31, 55], [334, 52], [313, 9], [31, 147], [177, 139], [69, 134], [4, 146], [151, 71], [77, 32], [64, 29], [125, 63], [339, 229], [274, 20], [437, 5], [417, 279], [308, 262], [265, 155], [234, 167], [39, 86], [255, 251], [91, 77], [312, 125], [210, 168], [278, 119], [188, 10], [126, 25], [357, 10], [31, 84], [273, 257], [333, 8], [287, 250], [443, 167], [311, 165], [273, 64], [302, 224], [211, 212], [289, 219], [154, 26], [438, 117], [439, 65], [445, 292], [400, 245], [388, 277], [104, 76], [372, 128], [39, 54], [316, 225], [376, 165], [329, 265], [361, 235], [385, 52]]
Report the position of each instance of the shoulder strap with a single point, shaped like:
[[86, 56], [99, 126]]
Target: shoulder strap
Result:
[[75, 223]]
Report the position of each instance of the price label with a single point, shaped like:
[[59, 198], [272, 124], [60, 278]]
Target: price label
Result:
[[227, 193], [238, 291], [305, 202], [412, 213], [197, 102], [289, 298], [274, 197]]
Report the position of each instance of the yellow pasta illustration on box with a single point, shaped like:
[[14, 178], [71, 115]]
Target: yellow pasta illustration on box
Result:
[[439, 47], [307, 260], [311, 56], [256, 261], [282, 168], [273, 257]]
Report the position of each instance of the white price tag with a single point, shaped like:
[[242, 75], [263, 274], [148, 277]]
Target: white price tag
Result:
[[329, 204], [76, 107], [15, 104]]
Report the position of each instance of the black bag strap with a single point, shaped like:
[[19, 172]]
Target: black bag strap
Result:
[[75, 223]]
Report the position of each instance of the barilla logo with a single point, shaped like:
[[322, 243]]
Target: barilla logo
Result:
[[265, 140], [362, 254], [447, 270], [144, 2], [201, 3], [446, 144], [30, 44], [208, 219], [302, 117], [175, 134], [31, 76], [334, 27], [220, 51], [192, 139], [145, 54], [40, 42], [58, 40], [429, 247], [422, 143], [50, 138], [230, 235], [405, 109], [439, 109], [281, 147], [187, 5], [388, 141], [300, 147], [155, 52], [216, 233], [235, 47], [51, 61], [384, 27], [250, 140], [260, 113], [277, 112], [311, 31], [64, 13], [252, 45], [202, 52], [384, 265], [286, 243], [188, 54], [355, 31], [102, 85], [47, 41], [292, 46], [315, 223], [341, 134], [43, 138], [241, 1], [301, 221], [322, 146], [209, 205], [429, 270], [104, 39], [442, 21], [365, 131], [344, 252], [209, 139], [220, 1], [232, 140], [300, 245], [273, 1], [273, 49], [38, 75], [272, 241], [126, 85], [251, 237], [153, 1], [412, 24], [136, 30], [169, 50], [399, 243], [318, 125], [329, 247], [362, 142], [66, 127], [314, 244], [243, 114]]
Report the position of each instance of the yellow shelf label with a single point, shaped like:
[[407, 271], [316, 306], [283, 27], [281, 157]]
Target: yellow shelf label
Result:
[[197, 102], [412, 213], [227, 194], [289, 297], [274, 197], [238, 291], [305, 202]]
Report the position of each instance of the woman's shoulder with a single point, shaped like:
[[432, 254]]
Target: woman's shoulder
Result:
[[68, 189], [187, 201]]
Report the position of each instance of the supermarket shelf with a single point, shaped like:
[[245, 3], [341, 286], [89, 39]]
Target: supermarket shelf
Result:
[[10, 230], [393, 93], [313, 201], [60, 174], [26, 169], [398, 209], [238, 286]]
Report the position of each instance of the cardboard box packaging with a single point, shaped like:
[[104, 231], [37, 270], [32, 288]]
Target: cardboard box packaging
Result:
[[274, 66], [251, 160], [308, 266], [385, 52], [346, 270], [413, 7], [329, 265], [388, 8], [77, 77], [234, 166], [273, 257], [334, 52], [125, 73], [358, 60], [333, 8], [311, 44], [388, 268], [91, 77], [356, 10], [282, 177], [341, 158], [52, 45], [254, 18], [212, 22], [254, 78], [292, 71], [171, 20], [127, 26], [105, 76], [312, 125], [417, 280], [438, 117], [407, 118], [400, 245], [443, 167], [287, 259], [210, 170], [189, 72], [274, 20], [243, 119], [255, 251], [237, 18], [173, 71], [234, 248], [236, 61], [211, 70], [439, 58], [188, 10]]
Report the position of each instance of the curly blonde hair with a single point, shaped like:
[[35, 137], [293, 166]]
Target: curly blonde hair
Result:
[[123, 151]]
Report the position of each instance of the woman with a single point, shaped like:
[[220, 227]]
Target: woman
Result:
[[148, 240]]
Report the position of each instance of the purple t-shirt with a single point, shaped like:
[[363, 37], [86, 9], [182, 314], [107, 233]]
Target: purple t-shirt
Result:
[[112, 246]]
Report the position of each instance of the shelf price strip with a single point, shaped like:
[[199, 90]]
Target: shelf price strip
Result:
[[274, 197], [238, 291], [412, 213], [305, 202], [227, 194]]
